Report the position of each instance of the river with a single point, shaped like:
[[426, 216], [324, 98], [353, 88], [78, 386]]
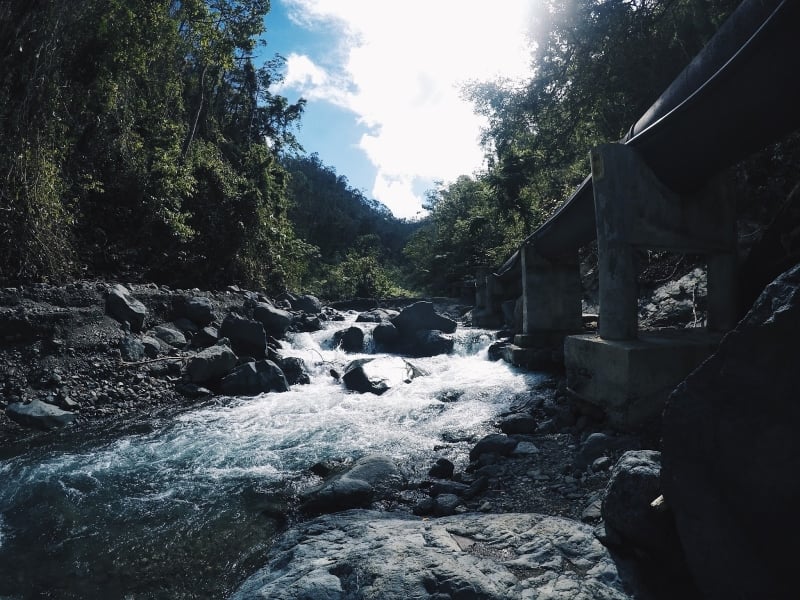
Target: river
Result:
[[186, 503]]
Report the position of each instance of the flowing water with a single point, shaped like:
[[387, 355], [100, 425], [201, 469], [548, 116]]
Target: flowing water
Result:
[[184, 506]]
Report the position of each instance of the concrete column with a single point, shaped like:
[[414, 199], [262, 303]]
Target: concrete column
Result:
[[611, 178], [551, 293]]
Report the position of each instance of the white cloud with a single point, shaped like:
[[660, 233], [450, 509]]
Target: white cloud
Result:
[[404, 65]]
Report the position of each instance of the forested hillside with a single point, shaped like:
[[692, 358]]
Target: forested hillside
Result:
[[141, 139]]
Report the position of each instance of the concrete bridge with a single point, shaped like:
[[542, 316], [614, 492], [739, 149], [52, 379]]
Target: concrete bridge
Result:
[[655, 189]]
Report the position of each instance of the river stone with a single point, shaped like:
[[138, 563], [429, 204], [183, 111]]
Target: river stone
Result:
[[366, 554], [731, 453], [421, 316], [294, 369], [518, 423], [169, 335], [370, 478], [378, 375], [131, 349], [385, 334], [211, 364], [633, 485], [198, 309], [254, 378], [39, 414], [152, 346], [276, 321], [442, 469], [494, 443], [122, 306], [351, 339], [377, 315], [431, 343], [307, 304], [247, 336]]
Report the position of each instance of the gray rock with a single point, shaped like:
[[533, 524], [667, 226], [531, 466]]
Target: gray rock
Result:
[[198, 309], [254, 378], [377, 375], [370, 478], [211, 364], [294, 369], [247, 337], [386, 335], [276, 321], [445, 505], [494, 443], [350, 339], [207, 336], [422, 316], [518, 423], [377, 315], [634, 484], [131, 349], [152, 346], [185, 326], [307, 304], [169, 335], [365, 554], [123, 307], [39, 414], [430, 343], [443, 469], [731, 453]]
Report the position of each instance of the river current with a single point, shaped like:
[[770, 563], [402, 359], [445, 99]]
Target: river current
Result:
[[185, 505]]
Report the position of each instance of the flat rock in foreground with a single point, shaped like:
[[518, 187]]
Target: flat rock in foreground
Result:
[[366, 554]]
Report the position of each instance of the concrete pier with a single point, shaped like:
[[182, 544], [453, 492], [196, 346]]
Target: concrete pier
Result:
[[627, 372]]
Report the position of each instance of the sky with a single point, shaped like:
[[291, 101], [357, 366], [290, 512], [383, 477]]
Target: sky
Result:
[[383, 80]]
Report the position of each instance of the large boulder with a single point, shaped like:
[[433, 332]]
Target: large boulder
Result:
[[430, 343], [294, 369], [628, 509], [122, 306], [247, 337], [276, 321], [350, 339], [731, 452], [253, 378], [211, 364], [367, 554], [307, 303], [197, 309], [422, 316], [370, 478], [385, 335], [39, 414], [377, 315], [378, 375]]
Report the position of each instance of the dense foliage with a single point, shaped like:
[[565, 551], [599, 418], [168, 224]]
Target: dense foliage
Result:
[[139, 134], [359, 242], [598, 65]]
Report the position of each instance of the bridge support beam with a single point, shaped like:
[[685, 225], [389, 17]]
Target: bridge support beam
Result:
[[627, 373]]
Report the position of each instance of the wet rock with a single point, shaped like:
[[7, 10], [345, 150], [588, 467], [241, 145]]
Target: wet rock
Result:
[[276, 321], [385, 335], [350, 339], [254, 378], [294, 369], [494, 443], [422, 316], [377, 315], [123, 307], [247, 337], [370, 478], [307, 304], [38, 414], [731, 453], [443, 469], [518, 423], [211, 364], [491, 557], [431, 343], [378, 375]]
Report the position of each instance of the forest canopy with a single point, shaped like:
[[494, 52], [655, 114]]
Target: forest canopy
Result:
[[142, 138]]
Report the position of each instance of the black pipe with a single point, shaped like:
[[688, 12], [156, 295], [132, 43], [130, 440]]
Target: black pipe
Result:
[[739, 94]]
